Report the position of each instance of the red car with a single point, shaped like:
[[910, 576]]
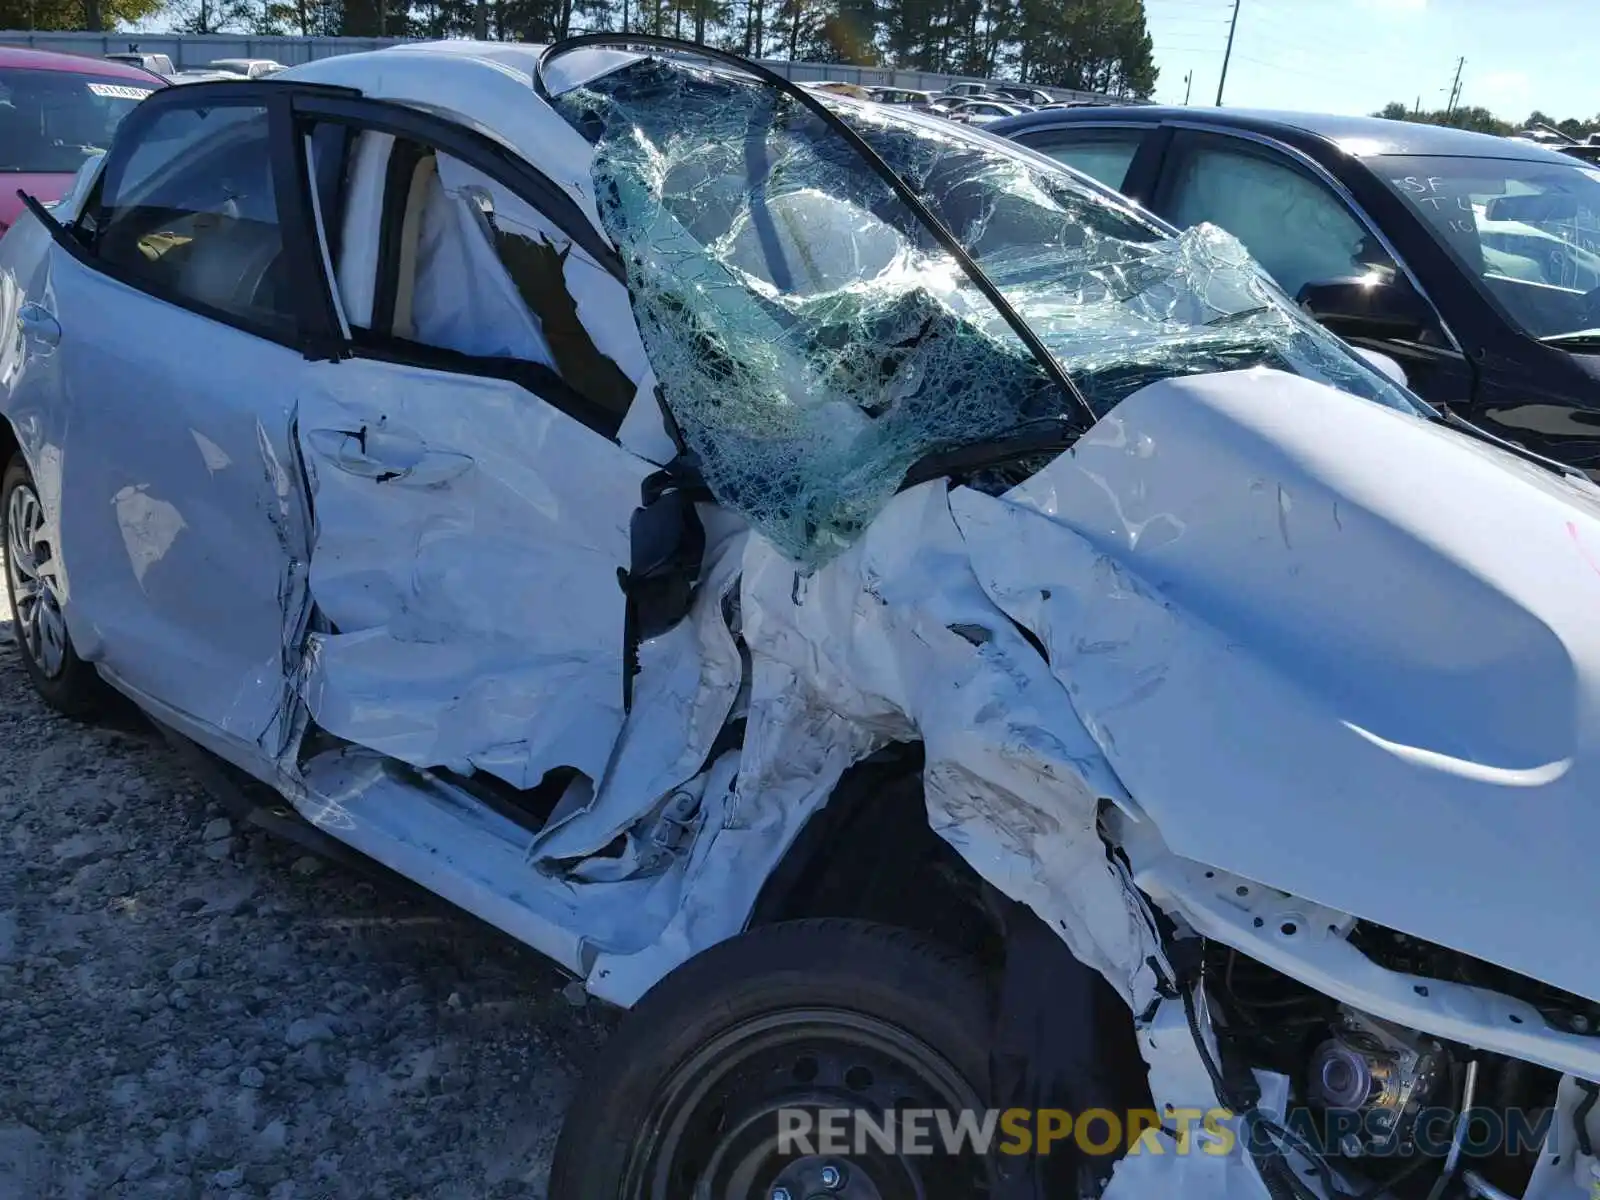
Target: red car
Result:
[[55, 110]]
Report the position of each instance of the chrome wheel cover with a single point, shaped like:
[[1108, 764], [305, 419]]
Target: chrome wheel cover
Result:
[[31, 574]]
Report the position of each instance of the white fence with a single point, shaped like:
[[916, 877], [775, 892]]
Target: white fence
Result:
[[195, 50]]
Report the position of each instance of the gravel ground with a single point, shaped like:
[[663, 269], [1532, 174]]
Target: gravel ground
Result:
[[192, 1010]]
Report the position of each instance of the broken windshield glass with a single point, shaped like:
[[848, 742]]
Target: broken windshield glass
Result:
[[813, 340]]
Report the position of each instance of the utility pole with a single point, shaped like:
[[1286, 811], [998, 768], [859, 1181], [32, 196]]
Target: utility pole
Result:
[[1188, 85], [1455, 88], [1227, 54]]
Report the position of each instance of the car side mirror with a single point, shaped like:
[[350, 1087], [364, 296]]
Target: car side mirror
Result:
[[1367, 307]]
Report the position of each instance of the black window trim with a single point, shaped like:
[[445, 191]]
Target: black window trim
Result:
[[314, 331], [419, 127]]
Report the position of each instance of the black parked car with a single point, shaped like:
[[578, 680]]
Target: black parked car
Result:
[[1472, 260]]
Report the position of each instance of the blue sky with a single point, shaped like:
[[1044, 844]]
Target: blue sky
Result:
[[1356, 55]]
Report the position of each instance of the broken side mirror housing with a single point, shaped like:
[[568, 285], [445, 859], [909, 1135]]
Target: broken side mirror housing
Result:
[[1384, 365], [1367, 306], [666, 539], [667, 546]]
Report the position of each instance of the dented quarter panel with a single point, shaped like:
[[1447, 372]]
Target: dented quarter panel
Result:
[[1298, 628], [467, 547]]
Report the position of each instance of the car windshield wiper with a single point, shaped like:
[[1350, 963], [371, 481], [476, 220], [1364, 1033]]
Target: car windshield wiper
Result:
[[1578, 337], [1444, 416], [1050, 436]]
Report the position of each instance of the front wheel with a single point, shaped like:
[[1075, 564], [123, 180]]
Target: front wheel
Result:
[[64, 680], [767, 1066]]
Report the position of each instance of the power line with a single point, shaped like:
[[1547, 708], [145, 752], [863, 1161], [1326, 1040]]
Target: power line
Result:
[[1298, 70]]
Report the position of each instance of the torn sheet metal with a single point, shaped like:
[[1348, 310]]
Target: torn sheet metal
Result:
[[1202, 1155], [894, 641], [468, 543], [1271, 641], [689, 680]]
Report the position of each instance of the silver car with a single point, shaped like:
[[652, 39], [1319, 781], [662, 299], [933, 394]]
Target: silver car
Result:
[[975, 670]]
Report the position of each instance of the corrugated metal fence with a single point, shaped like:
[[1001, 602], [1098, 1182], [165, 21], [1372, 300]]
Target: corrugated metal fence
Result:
[[196, 50]]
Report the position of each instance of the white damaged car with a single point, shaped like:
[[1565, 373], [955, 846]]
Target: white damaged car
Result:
[[951, 654]]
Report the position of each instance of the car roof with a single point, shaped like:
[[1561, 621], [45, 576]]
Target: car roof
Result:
[[22, 58], [490, 84], [1366, 136]]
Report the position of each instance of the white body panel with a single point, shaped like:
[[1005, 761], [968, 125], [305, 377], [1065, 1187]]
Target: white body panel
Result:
[[181, 525], [1332, 649], [468, 542]]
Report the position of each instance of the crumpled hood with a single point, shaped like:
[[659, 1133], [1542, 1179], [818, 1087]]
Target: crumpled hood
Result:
[[1331, 647]]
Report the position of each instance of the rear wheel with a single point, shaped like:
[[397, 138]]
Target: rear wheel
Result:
[[806, 1017], [63, 679]]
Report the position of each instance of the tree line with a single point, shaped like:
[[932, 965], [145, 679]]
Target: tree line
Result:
[[1481, 120], [1090, 45]]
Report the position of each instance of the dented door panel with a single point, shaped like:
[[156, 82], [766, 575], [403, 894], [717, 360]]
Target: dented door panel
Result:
[[467, 547]]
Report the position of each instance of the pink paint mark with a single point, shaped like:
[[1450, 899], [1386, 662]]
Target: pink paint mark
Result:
[[1572, 531]]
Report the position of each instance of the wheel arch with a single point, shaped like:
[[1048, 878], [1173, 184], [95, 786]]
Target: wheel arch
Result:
[[870, 854], [1060, 1036]]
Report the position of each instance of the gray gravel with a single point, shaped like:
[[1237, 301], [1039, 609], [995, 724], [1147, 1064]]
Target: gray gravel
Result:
[[192, 1009]]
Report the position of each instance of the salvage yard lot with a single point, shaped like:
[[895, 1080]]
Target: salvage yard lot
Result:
[[188, 1009]]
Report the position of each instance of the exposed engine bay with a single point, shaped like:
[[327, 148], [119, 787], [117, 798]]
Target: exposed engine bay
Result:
[[1379, 1109]]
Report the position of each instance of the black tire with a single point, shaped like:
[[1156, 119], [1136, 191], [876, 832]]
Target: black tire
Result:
[[67, 683], [788, 979]]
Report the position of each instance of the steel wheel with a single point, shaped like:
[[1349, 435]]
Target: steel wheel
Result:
[[31, 574], [715, 1136]]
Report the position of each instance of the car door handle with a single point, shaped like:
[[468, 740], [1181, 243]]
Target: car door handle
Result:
[[386, 457], [39, 323]]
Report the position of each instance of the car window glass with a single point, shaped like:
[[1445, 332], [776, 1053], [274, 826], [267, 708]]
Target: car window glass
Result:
[[1293, 225], [468, 267], [50, 121], [1528, 229], [191, 212], [1104, 155]]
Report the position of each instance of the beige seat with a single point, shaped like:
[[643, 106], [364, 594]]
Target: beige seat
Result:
[[424, 178]]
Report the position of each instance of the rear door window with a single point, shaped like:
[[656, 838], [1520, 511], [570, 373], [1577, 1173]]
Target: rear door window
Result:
[[1102, 154], [190, 213]]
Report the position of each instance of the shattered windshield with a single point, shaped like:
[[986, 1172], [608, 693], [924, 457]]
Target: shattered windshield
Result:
[[812, 339]]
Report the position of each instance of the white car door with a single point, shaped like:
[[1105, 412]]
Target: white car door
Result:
[[182, 304], [472, 504]]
